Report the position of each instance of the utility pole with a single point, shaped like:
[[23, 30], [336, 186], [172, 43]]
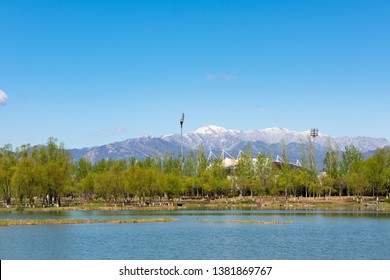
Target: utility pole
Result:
[[314, 133], [313, 165], [181, 141]]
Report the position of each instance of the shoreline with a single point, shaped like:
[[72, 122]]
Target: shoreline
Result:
[[346, 203]]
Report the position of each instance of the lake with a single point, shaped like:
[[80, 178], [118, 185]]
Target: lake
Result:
[[202, 235]]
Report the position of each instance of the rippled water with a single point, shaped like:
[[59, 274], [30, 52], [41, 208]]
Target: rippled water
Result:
[[202, 235]]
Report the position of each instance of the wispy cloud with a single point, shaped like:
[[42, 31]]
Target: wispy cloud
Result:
[[3, 98], [264, 110], [221, 76]]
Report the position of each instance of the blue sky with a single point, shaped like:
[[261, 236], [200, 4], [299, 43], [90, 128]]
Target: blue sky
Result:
[[94, 72]]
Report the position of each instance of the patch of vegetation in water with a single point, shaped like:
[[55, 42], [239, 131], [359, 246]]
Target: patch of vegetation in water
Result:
[[261, 222], [81, 221]]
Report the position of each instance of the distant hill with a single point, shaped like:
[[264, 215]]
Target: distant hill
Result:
[[217, 139]]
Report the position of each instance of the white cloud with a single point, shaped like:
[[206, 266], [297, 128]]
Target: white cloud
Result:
[[3, 98], [221, 76]]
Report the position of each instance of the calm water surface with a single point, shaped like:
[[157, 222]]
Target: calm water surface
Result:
[[202, 235]]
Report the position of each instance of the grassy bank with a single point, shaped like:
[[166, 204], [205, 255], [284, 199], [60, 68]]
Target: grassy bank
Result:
[[247, 203], [81, 221]]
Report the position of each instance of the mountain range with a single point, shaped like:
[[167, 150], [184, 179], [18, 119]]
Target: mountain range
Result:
[[215, 139]]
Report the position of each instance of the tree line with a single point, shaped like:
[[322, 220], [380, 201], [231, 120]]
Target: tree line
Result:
[[48, 174]]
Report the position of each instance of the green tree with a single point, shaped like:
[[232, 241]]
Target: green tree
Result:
[[82, 168], [7, 169], [131, 176], [332, 160], [285, 178], [190, 167], [57, 165], [102, 185], [375, 171], [201, 167], [313, 174], [172, 186], [246, 173], [102, 165], [263, 170], [352, 159], [87, 186], [171, 164], [26, 180], [326, 184], [356, 183], [309, 164], [351, 164], [116, 180], [218, 183], [300, 181]]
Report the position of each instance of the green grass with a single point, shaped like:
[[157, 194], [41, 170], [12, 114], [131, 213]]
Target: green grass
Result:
[[246, 202]]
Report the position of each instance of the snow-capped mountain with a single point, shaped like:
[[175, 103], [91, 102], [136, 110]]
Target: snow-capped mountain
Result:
[[214, 137], [217, 139]]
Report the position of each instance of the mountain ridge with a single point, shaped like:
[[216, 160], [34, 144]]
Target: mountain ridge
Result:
[[217, 139]]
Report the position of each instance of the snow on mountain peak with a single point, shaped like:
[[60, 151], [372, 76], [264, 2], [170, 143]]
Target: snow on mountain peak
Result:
[[277, 130], [211, 129]]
